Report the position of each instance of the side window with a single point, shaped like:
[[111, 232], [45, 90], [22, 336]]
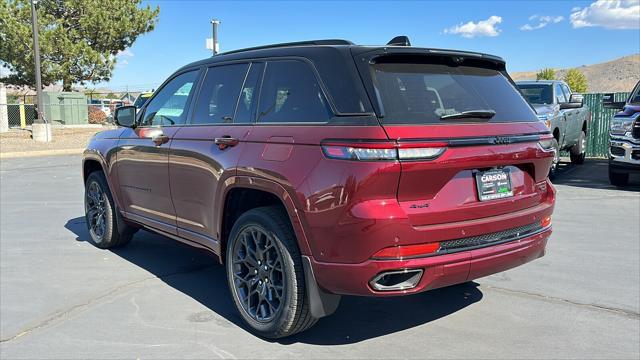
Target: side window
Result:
[[560, 95], [219, 94], [567, 92], [169, 106], [249, 95], [290, 93]]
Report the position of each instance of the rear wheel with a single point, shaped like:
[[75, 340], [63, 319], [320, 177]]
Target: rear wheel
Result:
[[579, 150], [265, 274], [100, 214], [618, 178]]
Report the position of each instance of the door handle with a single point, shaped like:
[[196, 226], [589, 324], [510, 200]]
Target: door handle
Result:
[[226, 141], [160, 139]]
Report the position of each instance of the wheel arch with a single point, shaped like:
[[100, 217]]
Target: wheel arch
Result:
[[243, 193], [93, 161], [89, 166]]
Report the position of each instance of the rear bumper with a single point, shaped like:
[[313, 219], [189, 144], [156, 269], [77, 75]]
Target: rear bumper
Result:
[[438, 271]]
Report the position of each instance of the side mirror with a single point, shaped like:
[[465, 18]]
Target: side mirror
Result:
[[576, 98], [575, 102], [609, 103], [126, 116]]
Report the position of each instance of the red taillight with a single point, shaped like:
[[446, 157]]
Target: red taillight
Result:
[[376, 151], [399, 252], [364, 152], [546, 222]]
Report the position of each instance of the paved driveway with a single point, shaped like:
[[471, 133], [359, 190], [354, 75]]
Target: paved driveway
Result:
[[60, 297]]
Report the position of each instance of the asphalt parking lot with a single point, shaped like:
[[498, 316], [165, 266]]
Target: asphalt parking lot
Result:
[[60, 297]]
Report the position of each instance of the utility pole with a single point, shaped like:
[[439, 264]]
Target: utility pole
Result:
[[41, 130], [214, 24]]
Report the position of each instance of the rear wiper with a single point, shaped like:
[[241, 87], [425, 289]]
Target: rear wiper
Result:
[[480, 114]]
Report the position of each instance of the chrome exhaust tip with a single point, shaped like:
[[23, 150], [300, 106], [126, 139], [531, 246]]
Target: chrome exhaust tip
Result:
[[395, 280]]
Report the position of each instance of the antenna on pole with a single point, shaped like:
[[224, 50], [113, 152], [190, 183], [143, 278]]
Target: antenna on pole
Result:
[[214, 41]]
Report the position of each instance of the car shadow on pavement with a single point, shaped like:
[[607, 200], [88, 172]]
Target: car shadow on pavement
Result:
[[593, 174], [197, 274]]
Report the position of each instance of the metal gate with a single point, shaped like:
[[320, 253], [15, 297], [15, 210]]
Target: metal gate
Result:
[[598, 131]]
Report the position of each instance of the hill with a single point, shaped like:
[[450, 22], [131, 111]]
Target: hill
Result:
[[612, 76]]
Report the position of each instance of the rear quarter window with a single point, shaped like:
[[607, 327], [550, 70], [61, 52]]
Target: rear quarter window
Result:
[[291, 94], [423, 93]]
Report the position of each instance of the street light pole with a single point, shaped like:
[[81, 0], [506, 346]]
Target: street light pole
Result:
[[214, 24], [41, 131]]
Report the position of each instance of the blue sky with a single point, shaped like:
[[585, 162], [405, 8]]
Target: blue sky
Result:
[[529, 34]]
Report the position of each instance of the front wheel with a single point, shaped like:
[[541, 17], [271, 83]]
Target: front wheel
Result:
[[579, 151], [100, 214], [265, 274]]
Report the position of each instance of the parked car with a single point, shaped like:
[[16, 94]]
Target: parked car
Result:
[[103, 104], [564, 114], [323, 168], [116, 104], [141, 99], [624, 137]]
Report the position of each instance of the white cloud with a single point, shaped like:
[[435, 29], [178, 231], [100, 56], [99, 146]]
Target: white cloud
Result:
[[481, 28], [609, 14], [125, 52], [121, 57], [541, 21]]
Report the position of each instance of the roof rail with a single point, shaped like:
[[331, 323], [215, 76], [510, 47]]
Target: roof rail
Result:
[[297, 43]]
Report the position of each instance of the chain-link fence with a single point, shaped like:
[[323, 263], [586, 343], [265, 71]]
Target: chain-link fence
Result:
[[67, 108], [22, 115]]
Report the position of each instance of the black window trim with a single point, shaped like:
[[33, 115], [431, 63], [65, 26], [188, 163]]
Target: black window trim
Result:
[[202, 68], [189, 103]]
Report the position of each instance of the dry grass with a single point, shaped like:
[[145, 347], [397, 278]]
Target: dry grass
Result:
[[63, 138], [611, 76]]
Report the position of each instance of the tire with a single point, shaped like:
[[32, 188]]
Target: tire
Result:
[[101, 213], [262, 238], [618, 178], [553, 170], [579, 151]]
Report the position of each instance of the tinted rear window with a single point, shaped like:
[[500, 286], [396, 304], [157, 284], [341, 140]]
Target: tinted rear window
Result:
[[423, 93]]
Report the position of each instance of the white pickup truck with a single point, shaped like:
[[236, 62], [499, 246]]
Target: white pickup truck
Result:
[[564, 114]]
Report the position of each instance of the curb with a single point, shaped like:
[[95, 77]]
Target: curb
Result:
[[36, 153]]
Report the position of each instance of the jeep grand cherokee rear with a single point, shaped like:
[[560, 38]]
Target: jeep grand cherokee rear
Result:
[[323, 168]]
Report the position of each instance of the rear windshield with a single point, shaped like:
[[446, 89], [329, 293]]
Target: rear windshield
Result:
[[537, 93], [424, 93]]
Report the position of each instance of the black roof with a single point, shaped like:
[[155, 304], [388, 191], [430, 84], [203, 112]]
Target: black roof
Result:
[[316, 47], [336, 62]]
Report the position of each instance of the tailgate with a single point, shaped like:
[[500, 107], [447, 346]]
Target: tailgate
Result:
[[445, 189], [462, 122]]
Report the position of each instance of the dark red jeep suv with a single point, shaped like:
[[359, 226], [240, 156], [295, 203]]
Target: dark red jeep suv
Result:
[[322, 168]]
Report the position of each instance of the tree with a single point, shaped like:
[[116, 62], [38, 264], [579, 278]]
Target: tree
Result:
[[576, 80], [546, 74], [79, 39]]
